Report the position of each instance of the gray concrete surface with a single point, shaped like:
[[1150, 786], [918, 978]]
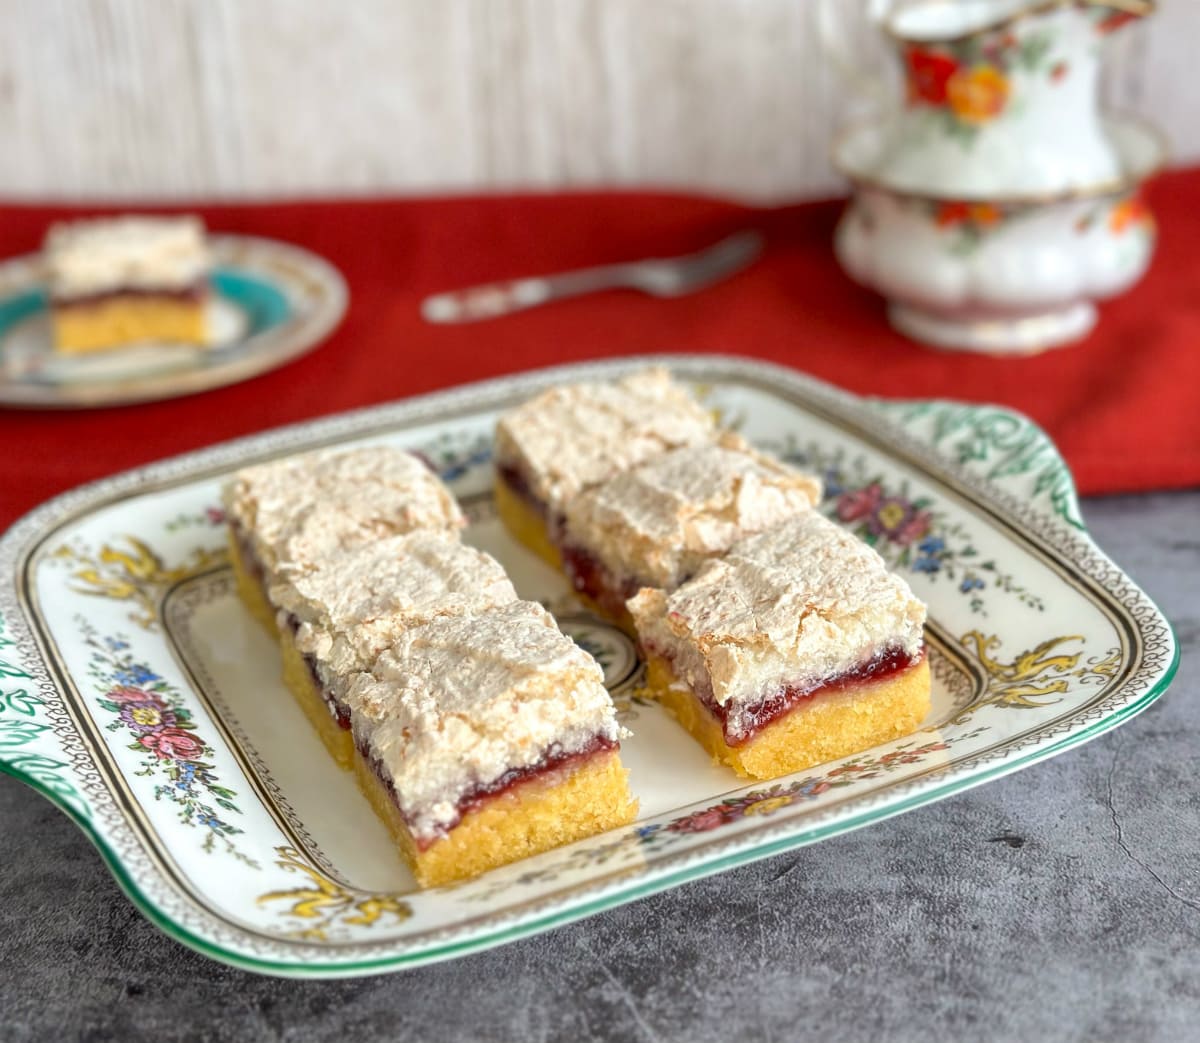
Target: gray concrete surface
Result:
[[1060, 903]]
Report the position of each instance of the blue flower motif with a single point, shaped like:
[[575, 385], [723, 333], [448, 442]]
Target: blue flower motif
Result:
[[926, 564], [833, 483], [647, 831], [116, 645], [932, 545], [461, 467], [135, 675], [971, 583]]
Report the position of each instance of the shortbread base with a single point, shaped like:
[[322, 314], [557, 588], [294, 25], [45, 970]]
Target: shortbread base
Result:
[[526, 526], [124, 319], [524, 523], [542, 812], [823, 728], [338, 740], [250, 589], [622, 620]]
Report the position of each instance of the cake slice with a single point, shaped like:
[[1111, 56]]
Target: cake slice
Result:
[[335, 619], [288, 516], [484, 739], [572, 437], [797, 647], [121, 280], [656, 524]]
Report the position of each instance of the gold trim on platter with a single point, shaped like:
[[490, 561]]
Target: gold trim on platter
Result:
[[156, 883]]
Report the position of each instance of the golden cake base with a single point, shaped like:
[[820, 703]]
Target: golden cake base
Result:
[[822, 729], [526, 526], [524, 523], [250, 589], [544, 812], [125, 319], [338, 741]]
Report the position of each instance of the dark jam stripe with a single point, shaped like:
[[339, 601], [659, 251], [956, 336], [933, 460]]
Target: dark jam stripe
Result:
[[885, 665], [250, 562], [588, 576], [519, 486], [195, 293], [552, 761], [338, 710]]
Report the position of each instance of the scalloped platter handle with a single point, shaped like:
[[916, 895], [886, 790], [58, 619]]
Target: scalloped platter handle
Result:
[[994, 443]]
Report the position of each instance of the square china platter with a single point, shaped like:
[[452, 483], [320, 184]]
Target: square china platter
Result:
[[225, 821]]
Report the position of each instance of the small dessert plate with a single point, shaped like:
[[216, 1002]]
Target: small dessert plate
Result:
[[137, 694], [271, 303]]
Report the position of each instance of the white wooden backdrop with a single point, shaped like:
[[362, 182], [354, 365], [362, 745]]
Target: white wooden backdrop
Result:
[[170, 98]]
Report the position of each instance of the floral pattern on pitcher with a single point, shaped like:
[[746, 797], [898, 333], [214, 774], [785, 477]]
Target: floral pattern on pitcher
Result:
[[969, 82]]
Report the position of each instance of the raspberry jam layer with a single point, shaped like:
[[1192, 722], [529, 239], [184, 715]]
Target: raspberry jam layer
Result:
[[589, 576], [195, 293], [338, 710], [518, 484], [250, 563], [887, 664], [553, 760]]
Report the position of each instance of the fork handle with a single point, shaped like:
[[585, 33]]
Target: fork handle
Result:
[[501, 298]]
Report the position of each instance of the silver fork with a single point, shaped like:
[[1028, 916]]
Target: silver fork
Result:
[[661, 277]]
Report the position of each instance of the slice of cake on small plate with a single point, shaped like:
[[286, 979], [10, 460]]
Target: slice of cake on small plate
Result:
[[796, 648], [338, 617], [289, 516], [119, 281], [572, 437], [656, 524], [485, 739]]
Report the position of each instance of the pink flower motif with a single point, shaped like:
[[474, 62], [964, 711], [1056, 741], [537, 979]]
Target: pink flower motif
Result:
[[930, 747], [126, 696], [700, 822], [173, 744], [215, 515], [858, 503], [913, 529], [899, 521]]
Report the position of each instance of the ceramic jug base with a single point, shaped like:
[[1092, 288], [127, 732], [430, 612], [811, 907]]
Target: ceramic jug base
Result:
[[995, 335]]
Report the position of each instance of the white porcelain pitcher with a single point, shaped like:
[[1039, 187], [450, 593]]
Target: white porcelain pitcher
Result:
[[1000, 97]]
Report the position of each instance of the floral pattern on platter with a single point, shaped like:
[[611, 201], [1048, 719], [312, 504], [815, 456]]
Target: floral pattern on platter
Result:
[[910, 532], [781, 795], [300, 914], [632, 845], [1034, 677], [127, 569], [326, 907], [142, 704]]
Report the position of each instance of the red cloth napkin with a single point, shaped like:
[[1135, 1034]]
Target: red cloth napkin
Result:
[[1121, 405]]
